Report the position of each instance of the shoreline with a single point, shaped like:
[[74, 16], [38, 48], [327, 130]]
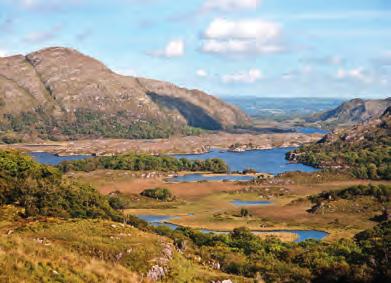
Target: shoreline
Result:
[[171, 146], [254, 231]]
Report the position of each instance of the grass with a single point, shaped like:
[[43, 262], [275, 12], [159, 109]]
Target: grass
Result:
[[54, 250], [209, 203]]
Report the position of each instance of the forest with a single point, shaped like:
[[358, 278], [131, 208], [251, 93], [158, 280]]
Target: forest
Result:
[[144, 162]]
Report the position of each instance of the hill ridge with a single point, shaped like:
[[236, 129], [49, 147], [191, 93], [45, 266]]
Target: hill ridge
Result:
[[68, 94]]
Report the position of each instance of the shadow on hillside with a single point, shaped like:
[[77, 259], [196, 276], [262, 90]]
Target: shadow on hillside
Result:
[[195, 115]]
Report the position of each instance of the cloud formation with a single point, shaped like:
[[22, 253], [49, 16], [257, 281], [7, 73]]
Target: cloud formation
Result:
[[201, 73], [358, 73], [174, 48], [254, 36], [247, 77]]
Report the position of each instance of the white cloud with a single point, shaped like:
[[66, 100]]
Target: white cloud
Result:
[[201, 73], [230, 5], [174, 48], [242, 37], [355, 73], [250, 76]]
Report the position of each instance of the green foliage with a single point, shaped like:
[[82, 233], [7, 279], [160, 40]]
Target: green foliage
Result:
[[144, 162], [244, 212], [41, 190], [366, 157], [92, 124], [376, 245], [364, 259], [249, 171], [381, 192], [161, 194]]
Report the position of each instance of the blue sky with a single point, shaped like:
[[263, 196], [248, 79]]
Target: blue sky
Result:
[[267, 48]]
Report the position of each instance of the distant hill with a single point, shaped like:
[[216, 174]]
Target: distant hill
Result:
[[352, 112], [364, 149], [59, 93], [277, 108]]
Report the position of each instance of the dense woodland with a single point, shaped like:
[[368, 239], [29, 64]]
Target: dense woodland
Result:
[[144, 162], [86, 124], [365, 151]]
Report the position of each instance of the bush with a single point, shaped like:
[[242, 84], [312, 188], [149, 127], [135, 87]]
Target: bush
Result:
[[381, 192], [249, 171], [161, 194], [41, 190], [244, 212]]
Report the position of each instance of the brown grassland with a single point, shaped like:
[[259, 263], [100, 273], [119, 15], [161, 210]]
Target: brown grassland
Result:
[[208, 204]]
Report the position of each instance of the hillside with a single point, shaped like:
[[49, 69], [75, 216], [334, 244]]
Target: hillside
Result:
[[365, 149], [352, 112], [53, 229], [59, 93]]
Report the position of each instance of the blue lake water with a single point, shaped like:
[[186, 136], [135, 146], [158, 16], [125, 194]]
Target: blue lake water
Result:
[[160, 220], [52, 159], [305, 130], [270, 161], [238, 202], [302, 234]]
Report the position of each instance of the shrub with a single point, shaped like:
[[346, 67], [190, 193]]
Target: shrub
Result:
[[42, 190], [161, 194]]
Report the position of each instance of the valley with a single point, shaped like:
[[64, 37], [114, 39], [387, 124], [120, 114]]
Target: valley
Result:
[[157, 183], [207, 141]]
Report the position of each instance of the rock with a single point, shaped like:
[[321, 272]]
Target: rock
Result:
[[62, 84], [156, 273]]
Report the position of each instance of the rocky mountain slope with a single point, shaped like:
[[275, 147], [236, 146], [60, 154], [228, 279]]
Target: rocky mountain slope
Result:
[[364, 149], [353, 112], [60, 93]]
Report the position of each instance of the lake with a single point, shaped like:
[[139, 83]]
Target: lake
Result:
[[161, 220], [158, 220], [305, 130], [52, 159], [270, 161], [302, 234]]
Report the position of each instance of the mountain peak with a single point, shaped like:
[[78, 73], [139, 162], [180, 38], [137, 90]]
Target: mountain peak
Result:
[[68, 92], [354, 111]]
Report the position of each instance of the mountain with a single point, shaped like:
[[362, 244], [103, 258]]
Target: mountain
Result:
[[60, 93], [353, 112], [364, 149]]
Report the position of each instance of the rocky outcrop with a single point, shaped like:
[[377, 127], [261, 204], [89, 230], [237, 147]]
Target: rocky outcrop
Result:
[[63, 92], [353, 112]]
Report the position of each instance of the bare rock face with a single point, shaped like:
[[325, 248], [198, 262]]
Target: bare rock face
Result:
[[66, 93], [354, 111]]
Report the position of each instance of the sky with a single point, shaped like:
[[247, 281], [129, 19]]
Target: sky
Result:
[[265, 48]]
